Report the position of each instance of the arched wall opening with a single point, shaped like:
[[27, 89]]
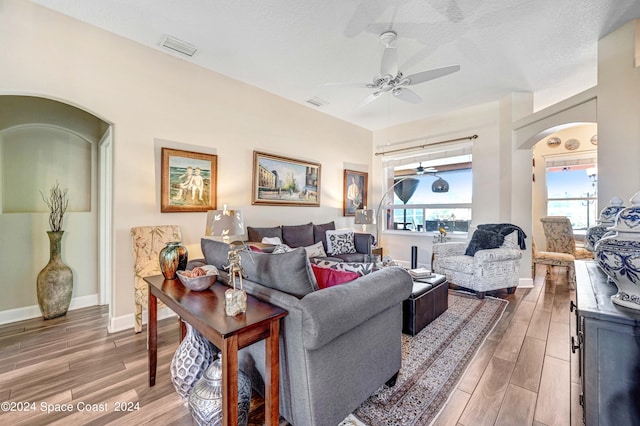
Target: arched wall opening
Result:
[[44, 142]]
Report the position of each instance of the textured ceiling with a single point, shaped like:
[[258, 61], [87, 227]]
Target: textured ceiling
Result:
[[294, 47]]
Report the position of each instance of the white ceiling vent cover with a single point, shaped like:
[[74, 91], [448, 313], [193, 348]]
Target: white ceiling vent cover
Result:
[[178, 45]]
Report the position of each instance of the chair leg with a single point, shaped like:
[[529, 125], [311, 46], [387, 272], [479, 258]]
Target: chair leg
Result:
[[392, 381], [480, 294], [571, 270], [511, 290], [138, 318]]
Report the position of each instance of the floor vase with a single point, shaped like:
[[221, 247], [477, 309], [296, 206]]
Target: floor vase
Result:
[[55, 281]]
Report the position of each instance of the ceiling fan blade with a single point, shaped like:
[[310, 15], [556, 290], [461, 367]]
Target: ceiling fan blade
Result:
[[407, 95], [389, 65], [354, 85], [423, 76], [372, 97]]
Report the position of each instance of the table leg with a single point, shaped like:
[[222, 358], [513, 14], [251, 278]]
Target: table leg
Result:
[[152, 328], [272, 385], [230, 381]]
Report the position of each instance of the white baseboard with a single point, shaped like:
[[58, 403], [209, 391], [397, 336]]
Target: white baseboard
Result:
[[124, 322], [525, 283], [29, 312]]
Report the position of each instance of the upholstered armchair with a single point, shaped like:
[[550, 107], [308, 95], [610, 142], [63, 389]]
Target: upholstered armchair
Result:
[[561, 247], [487, 270], [147, 243]]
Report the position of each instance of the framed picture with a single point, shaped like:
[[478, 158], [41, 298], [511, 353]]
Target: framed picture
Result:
[[281, 181], [355, 191], [188, 181]]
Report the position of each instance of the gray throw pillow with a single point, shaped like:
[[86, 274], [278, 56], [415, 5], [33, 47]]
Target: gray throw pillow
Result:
[[287, 272], [320, 233], [215, 252], [256, 234], [298, 235]]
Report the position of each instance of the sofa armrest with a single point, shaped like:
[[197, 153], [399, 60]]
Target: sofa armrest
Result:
[[453, 248], [497, 254], [363, 242], [331, 312]]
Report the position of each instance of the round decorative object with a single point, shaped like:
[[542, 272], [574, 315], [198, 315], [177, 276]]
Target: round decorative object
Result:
[[54, 285], [553, 142], [172, 258], [594, 140], [191, 359], [572, 144], [205, 401], [618, 255], [199, 282]]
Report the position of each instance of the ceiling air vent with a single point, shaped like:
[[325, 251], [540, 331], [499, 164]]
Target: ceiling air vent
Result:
[[317, 102], [178, 45]]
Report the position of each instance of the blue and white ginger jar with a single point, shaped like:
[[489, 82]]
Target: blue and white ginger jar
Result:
[[607, 219], [618, 255]]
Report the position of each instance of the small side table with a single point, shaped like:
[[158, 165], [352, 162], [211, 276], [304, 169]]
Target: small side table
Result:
[[377, 250], [204, 311]]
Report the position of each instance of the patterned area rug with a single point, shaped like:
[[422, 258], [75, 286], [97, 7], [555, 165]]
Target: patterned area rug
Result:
[[432, 363]]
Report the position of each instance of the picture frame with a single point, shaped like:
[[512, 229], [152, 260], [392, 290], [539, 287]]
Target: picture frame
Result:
[[283, 181], [355, 191], [188, 181]]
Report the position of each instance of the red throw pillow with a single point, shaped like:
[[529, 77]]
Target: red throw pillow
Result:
[[256, 249], [329, 277]]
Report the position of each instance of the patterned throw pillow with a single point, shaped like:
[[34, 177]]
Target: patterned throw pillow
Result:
[[359, 268], [281, 248], [316, 250], [340, 242]]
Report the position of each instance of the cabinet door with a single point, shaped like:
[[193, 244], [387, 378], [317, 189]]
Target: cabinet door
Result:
[[611, 373]]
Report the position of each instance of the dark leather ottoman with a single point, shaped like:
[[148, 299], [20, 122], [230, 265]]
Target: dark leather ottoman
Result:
[[429, 298]]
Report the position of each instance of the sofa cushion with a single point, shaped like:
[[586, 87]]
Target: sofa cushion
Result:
[[358, 267], [482, 240], [460, 263], [316, 250], [340, 242], [319, 232], [215, 252], [287, 272], [329, 277], [281, 248], [298, 235], [257, 234]]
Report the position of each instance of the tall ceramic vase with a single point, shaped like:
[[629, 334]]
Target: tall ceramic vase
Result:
[[55, 281]]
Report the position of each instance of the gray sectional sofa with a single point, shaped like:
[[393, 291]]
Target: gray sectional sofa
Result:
[[337, 345], [308, 234]]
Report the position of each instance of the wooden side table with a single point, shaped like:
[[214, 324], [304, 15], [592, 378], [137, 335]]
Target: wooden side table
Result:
[[377, 250], [204, 311]]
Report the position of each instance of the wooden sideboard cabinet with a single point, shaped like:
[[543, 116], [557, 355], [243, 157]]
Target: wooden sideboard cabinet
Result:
[[608, 340]]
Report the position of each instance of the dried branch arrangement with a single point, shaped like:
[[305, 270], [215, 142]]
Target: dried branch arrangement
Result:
[[57, 203]]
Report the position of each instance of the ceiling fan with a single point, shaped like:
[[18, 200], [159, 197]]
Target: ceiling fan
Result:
[[391, 80]]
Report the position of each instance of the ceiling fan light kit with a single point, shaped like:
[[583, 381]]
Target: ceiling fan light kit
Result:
[[392, 80]]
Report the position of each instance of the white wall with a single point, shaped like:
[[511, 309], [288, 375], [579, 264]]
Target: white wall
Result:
[[149, 95]]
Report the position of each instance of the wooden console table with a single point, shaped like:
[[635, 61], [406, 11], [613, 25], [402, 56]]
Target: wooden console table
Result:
[[204, 311]]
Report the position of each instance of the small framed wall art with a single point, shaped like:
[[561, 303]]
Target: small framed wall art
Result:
[[355, 192], [188, 181], [282, 181]]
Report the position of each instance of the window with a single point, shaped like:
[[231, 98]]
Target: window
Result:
[[571, 192], [426, 210]]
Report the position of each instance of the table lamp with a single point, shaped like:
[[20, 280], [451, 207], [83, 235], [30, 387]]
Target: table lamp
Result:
[[227, 223], [365, 217]]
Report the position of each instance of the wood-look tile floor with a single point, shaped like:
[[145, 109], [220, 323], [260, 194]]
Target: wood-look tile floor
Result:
[[71, 371]]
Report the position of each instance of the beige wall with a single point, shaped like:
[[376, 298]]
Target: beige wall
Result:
[[148, 95]]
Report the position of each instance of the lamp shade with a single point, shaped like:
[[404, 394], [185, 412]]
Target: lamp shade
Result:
[[440, 185], [224, 223], [365, 217]]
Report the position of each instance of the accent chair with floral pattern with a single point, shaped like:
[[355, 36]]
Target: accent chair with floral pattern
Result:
[[147, 243], [561, 247]]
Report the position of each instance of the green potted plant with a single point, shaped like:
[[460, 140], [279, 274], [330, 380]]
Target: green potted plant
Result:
[[55, 281]]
